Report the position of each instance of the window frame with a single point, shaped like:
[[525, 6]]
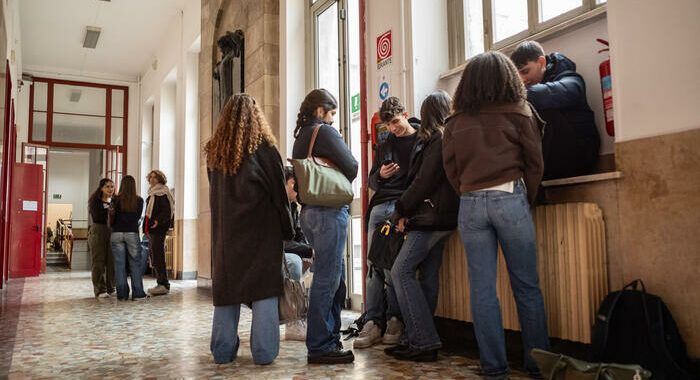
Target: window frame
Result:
[[589, 9], [107, 145]]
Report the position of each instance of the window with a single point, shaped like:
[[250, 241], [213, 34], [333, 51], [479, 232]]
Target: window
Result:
[[480, 25], [79, 115]]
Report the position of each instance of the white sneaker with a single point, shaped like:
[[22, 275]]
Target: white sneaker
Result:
[[158, 290], [295, 330], [369, 335], [394, 330]]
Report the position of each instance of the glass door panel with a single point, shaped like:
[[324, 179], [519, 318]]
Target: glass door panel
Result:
[[337, 69]]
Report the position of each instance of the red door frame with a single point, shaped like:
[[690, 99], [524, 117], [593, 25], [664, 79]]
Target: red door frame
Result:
[[46, 192], [7, 184], [364, 140], [8, 158], [108, 116]]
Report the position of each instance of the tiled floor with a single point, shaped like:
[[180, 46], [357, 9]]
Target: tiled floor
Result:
[[52, 327]]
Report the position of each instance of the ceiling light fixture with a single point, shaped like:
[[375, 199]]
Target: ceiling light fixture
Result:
[[92, 34], [75, 95]]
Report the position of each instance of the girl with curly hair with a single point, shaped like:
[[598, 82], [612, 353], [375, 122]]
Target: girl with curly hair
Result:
[[492, 155], [250, 219]]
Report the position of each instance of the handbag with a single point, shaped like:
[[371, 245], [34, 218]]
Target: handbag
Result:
[[385, 247], [319, 182], [561, 367], [292, 305]]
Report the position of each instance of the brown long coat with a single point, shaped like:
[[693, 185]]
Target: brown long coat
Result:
[[250, 219]]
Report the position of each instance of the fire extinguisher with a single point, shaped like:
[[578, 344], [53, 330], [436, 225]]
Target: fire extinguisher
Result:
[[378, 132], [606, 87]]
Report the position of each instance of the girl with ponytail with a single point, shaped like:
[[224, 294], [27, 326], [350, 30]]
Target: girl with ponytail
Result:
[[326, 228]]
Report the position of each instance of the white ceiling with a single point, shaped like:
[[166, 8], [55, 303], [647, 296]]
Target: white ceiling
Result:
[[53, 31]]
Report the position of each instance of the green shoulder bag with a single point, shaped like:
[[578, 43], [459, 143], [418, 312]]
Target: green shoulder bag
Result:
[[561, 367], [319, 182]]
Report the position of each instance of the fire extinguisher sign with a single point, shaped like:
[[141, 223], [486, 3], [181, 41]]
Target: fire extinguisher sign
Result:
[[384, 49]]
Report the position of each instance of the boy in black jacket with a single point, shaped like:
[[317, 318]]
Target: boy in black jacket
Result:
[[571, 141]]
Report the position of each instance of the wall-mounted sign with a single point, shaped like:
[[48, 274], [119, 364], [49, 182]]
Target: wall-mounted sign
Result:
[[30, 206], [57, 196], [355, 103], [383, 91], [384, 49]]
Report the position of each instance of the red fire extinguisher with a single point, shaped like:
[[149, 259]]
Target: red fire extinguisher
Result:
[[606, 86], [378, 132]]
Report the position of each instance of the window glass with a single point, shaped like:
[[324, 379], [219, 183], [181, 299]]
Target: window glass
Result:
[[550, 9], [78, 129], [118, 103], [79, 99], [41, 90], [39, 126], [509, 18], [473, 27]]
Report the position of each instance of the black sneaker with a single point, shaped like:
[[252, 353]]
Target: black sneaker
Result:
[[413, 355], [393, 349], [337, 356]]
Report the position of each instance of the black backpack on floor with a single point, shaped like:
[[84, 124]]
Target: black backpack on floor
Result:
[[634, 327]]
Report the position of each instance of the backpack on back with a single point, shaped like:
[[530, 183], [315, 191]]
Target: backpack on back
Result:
[[634, 327]]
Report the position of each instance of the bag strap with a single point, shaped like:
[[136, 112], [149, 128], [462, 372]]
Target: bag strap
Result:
[[313, 140], [284, 265], [555, 368], [633, 285]]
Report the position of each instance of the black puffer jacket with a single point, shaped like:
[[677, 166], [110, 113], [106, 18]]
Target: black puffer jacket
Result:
[[429, 202], [571, 141]]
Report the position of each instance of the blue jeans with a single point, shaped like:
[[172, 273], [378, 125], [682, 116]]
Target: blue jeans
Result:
[[327, 231], [264, 332], [123, 243], [485, 219], [145, 242], [381, 305], [422, 251], [294, 265]]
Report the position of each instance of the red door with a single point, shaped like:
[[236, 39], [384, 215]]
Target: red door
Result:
[[25, 228]]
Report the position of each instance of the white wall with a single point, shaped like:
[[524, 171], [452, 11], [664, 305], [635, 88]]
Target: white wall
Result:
[[169, 83], [165, 132], [430, 50], [292, 69], [69, 175], [381, 16], [655, 90]]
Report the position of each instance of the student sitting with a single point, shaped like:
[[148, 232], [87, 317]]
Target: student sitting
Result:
[[297, 253], [492, 156], [571, 142], [428, 211]]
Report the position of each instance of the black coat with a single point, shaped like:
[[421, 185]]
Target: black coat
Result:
[[161, 213], [298, 244], [249, 221], [430, 203]]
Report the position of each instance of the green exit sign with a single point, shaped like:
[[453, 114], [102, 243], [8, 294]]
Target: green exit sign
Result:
[[57, 196], [355, 103]]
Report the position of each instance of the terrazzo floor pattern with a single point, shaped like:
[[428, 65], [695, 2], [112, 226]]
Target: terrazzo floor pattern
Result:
[[52, 327]]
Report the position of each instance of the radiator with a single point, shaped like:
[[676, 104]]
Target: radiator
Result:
[[572, 264], [169, 252]]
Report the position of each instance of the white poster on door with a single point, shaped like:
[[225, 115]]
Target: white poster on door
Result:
[[30, 206]]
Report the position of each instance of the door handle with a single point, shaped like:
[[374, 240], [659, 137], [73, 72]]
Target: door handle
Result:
[[36, 228]]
